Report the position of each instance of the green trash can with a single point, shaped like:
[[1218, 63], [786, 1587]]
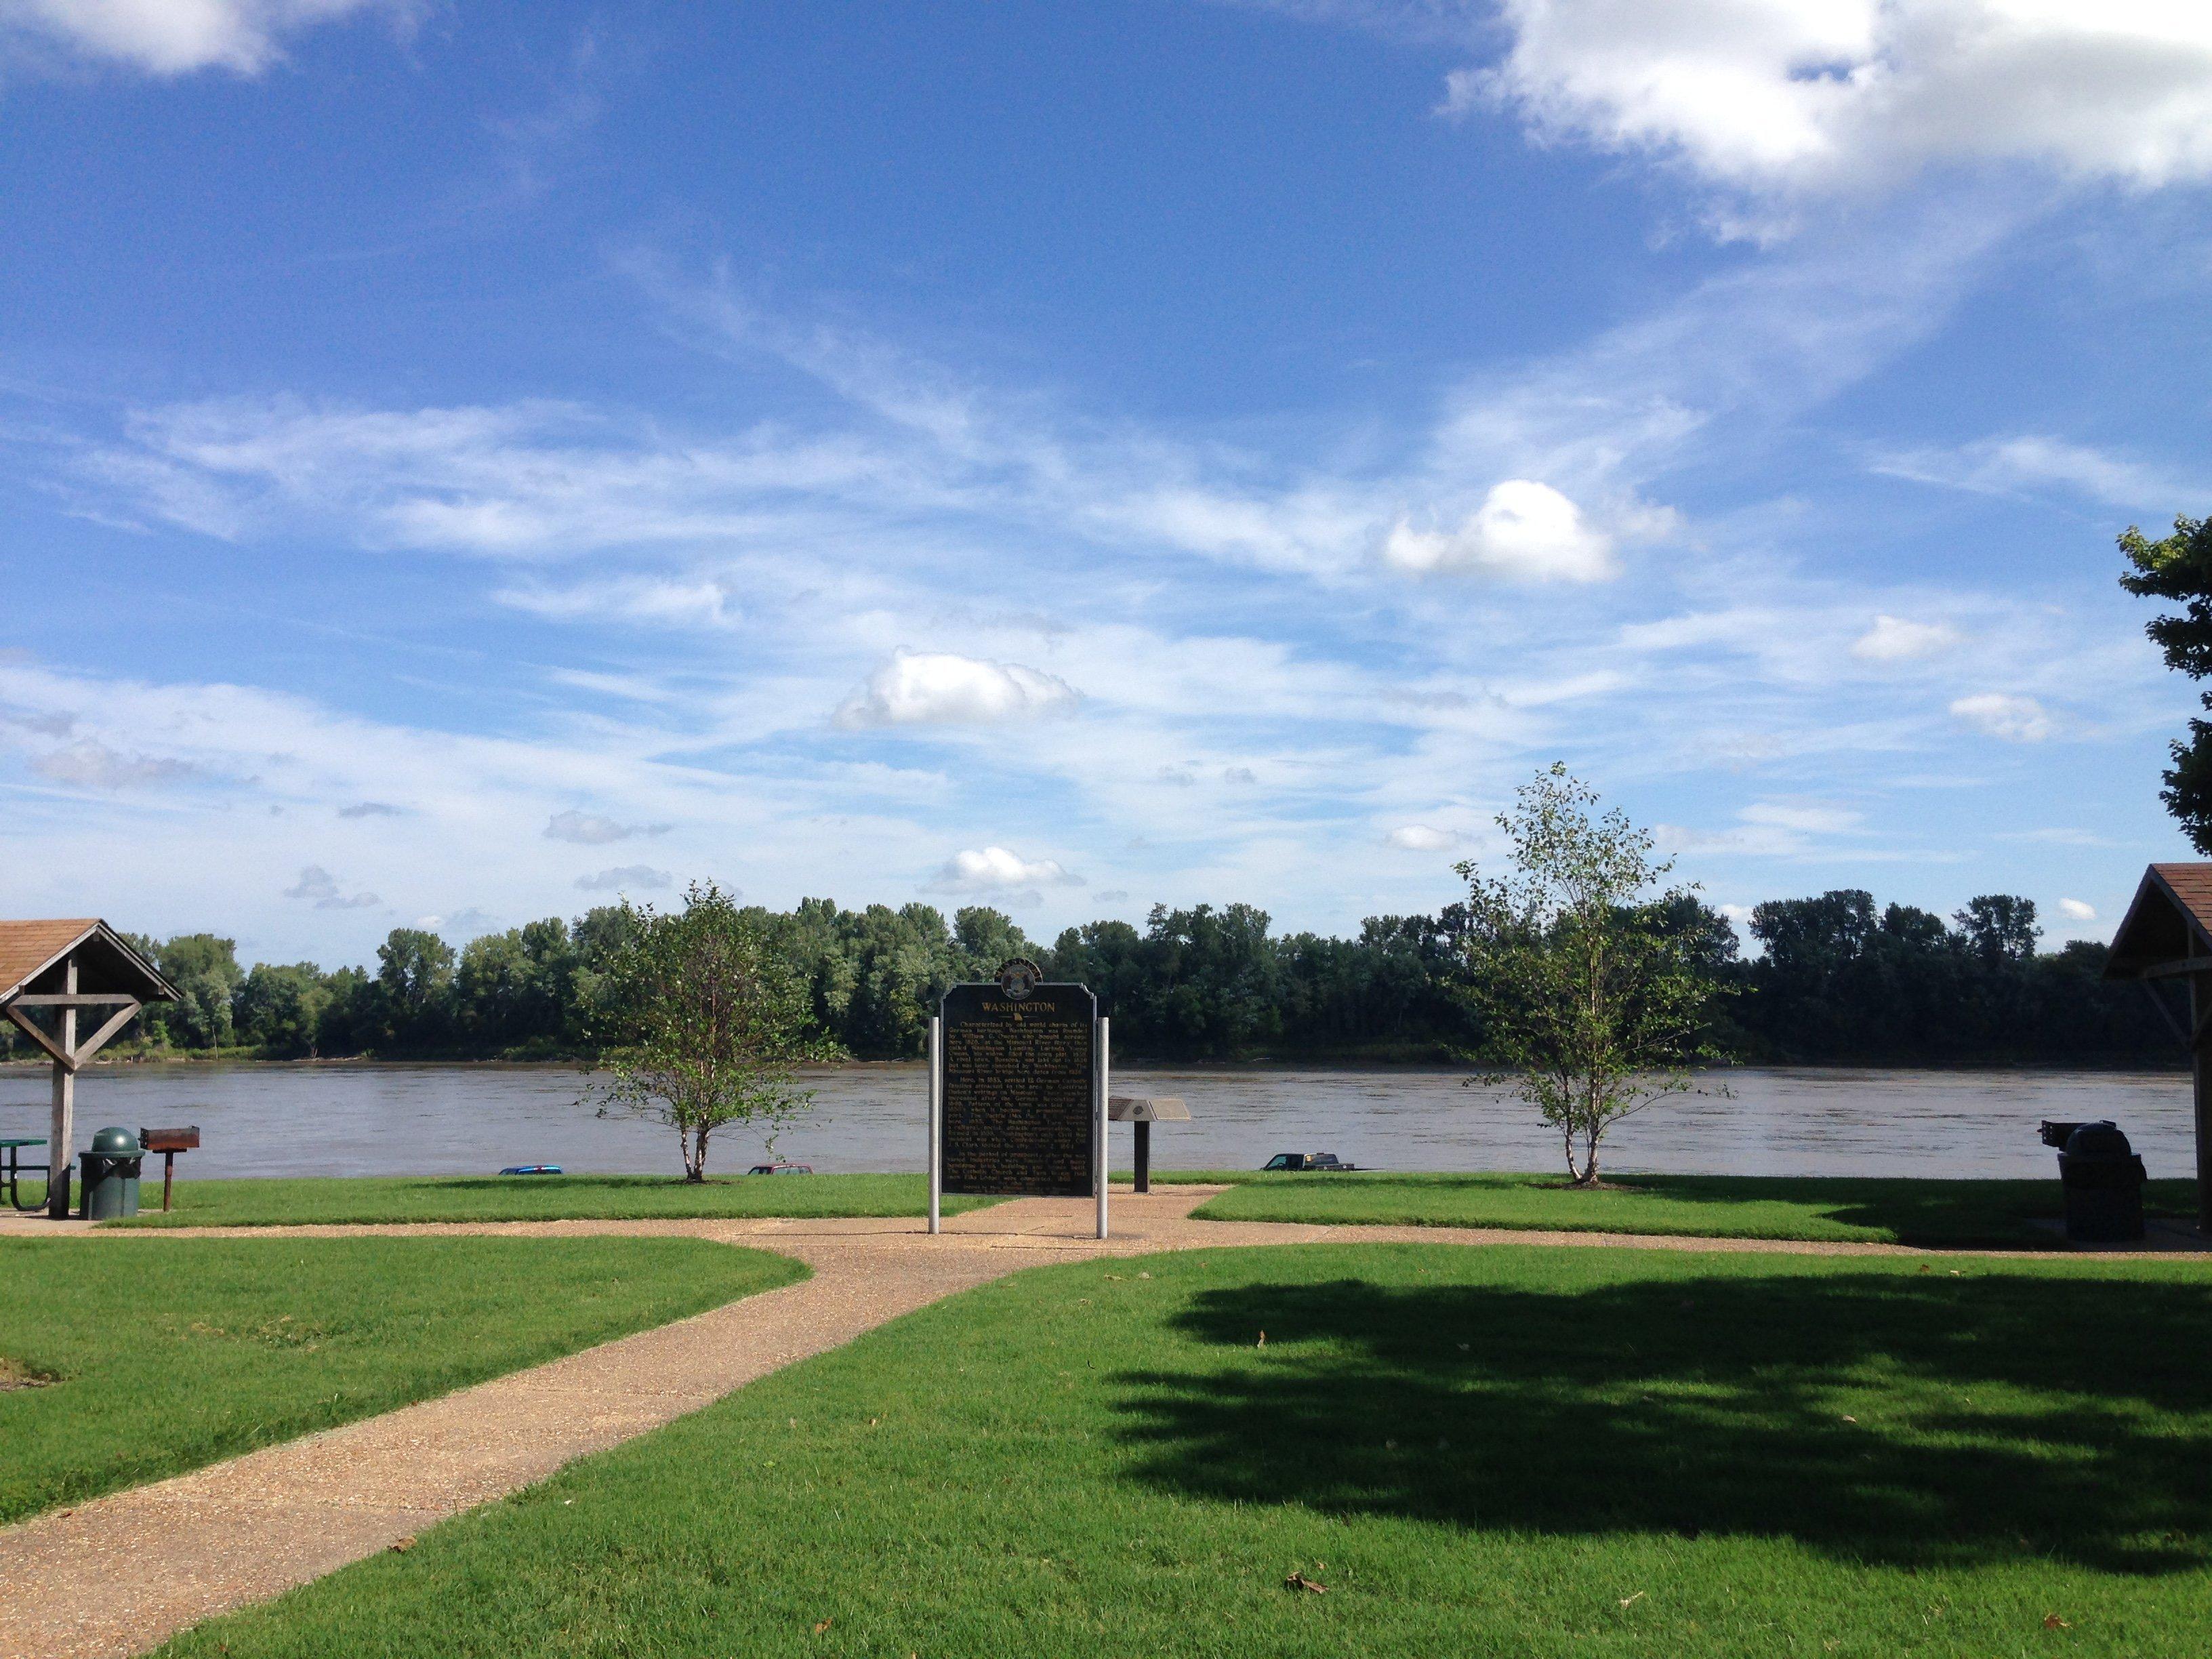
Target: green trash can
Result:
[[110, 1175]]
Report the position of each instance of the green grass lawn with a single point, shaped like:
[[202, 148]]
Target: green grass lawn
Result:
[[280, 1202], [121, 1363], [1505, 1451], [1933, 1212]]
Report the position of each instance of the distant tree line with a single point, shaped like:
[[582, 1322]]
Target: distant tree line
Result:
[[1837, 979]]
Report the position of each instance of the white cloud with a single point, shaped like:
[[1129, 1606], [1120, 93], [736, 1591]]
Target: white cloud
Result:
[[1799, 94], [1767, 828], [319, 884], [1523, 531], [2001, 714], [2023, 465], [174, 37], [1894, 639], [1809, 817], [623, 877], [589, 829], [701, 604], [88, 764], [917, 687], [2076, 910], [1422, 838], [464, 924], [996, 869]]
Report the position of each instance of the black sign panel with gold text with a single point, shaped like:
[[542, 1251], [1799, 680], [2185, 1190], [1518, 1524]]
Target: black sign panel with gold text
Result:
[[1019, 1116]]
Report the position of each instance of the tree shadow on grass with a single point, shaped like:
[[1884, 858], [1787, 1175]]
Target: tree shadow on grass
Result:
[[1919, 1211], [1997, 1416]]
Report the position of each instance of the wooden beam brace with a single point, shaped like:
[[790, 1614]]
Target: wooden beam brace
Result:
[[74, 999], [2166, 1013], [2193, 965], [61, 1056], [93, 1044]]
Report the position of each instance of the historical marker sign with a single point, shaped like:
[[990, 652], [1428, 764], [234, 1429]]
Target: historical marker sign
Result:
[[1019, 1101]]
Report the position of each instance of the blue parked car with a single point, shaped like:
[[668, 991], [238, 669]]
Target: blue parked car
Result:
[[531, 1169]]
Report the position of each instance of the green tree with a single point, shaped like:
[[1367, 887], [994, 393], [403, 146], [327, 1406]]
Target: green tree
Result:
[[1588, 984], [710, 1018], [415, 983], [204, 970], [988, 939], [2180, 566], [280, 1007], [1999, 927]]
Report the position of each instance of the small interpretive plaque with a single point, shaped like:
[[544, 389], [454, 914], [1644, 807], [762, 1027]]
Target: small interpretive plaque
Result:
[[1020, 1114]]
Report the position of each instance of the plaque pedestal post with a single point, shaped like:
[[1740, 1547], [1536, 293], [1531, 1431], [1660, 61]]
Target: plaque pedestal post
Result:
[[936, 1121], [1098, 1116]]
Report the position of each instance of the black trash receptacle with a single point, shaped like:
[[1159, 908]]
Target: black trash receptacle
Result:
[[110, 1175], [2103, 1181]]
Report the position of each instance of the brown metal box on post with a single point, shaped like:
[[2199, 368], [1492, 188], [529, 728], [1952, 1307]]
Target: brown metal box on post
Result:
[[169, 1143]]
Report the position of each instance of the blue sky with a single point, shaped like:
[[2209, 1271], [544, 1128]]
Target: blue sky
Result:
[[464, 461]]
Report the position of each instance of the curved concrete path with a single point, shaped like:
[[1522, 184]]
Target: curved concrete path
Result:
[[121, 1574]]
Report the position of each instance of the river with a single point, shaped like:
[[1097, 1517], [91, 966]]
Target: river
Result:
[[362, 1119]]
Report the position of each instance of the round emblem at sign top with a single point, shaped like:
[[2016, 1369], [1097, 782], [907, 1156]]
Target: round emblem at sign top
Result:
[[1019, 977]]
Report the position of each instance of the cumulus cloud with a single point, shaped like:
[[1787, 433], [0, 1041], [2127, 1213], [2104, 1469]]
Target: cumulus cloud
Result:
[[1523, 531], [589, 829], [1421, 838], [368, 809], [1114, 896], [1893, 639], [1800, 95], [2001, 714], [935, 688], [174, 37], [624, 876], [996, 869], [2077, 910], [319, 884], [88, 764]]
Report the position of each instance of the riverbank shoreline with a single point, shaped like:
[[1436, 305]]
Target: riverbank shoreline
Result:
[[37, 1064]]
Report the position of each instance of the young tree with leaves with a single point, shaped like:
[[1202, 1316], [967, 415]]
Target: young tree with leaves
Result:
[[2180, 566], [709, 1020], [1592, 996]]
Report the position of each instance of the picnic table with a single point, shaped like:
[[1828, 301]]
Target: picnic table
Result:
[[13, 1169]]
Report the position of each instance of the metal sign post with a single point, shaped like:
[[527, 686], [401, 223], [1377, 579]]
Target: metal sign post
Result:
[[936, 1121], [1098, 1111]]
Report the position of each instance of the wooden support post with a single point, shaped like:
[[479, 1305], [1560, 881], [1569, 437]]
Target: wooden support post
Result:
[[168, 1178], [2200, 1074], [61, 1127]]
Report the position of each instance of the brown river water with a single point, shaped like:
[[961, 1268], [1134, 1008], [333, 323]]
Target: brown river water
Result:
[[357, 1118]]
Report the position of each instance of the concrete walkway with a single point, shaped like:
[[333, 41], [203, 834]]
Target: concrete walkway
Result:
[[121, 1574]]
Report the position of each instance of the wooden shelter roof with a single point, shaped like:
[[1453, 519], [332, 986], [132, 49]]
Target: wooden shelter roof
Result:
[[2169, 922], [31, 952]]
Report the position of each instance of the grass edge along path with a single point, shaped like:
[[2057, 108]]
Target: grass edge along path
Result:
[[1931, 1213], [368, 1200], [1538, 1451], [176, 1354]]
